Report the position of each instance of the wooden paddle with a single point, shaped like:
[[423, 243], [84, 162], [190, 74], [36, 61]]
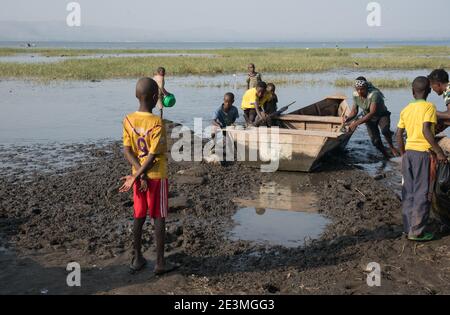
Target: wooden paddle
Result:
[[282, 110], [265, 120]]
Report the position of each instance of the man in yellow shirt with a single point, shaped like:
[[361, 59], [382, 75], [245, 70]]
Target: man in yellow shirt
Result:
[[253, 102], [145, 147], [419, 120]]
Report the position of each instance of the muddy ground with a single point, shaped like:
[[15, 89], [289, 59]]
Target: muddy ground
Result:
[[48, 219]]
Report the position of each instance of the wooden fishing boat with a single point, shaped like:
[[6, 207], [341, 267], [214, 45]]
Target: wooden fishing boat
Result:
[[305, 136]]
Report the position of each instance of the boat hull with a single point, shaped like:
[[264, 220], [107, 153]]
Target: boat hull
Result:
[[292, 151]]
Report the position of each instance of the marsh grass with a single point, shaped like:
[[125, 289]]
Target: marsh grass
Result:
[[388, 83], [240, 85], [226, 61]]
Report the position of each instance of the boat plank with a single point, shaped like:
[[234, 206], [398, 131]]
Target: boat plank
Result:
[[306, 118], [256, 131]]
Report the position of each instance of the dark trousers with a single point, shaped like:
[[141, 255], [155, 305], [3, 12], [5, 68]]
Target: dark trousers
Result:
[[415, 191], [375, 125], [250, 114]]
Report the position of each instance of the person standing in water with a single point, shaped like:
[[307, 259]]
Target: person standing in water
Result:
[[253, 77], [376, 115], [159, 78]]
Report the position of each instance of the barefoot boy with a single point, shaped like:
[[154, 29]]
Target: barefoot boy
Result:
[[419, 120], [145, 147]]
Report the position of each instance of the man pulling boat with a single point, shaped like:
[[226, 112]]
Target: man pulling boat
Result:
[[375, 115]]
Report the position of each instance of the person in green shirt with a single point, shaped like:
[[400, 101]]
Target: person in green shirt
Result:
[[375, 115]]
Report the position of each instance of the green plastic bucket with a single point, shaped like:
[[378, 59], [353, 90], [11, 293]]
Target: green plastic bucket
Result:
[[169, 100]]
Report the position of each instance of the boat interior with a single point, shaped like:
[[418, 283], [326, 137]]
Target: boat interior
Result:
[[325, 115]]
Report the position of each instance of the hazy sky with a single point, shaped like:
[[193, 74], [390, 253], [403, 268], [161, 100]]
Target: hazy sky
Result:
[[247, 19]]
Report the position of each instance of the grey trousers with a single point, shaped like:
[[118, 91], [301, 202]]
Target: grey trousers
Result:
[[416, 186]]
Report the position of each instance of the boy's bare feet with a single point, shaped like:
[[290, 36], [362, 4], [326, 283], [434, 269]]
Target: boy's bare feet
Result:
[[165, 268], [138, 262]]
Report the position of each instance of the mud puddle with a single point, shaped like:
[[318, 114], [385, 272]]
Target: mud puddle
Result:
[[284, 213], [277, 227]]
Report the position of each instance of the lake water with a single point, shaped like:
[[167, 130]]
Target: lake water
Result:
[[37, 116], [88, 111], [221, 45], [38, 58]]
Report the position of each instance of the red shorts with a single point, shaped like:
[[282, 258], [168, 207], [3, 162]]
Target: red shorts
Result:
[[152, 201]]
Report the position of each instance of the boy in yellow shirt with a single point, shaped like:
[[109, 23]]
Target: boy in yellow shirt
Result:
[[145, 147], [419, 120], [253, 102]]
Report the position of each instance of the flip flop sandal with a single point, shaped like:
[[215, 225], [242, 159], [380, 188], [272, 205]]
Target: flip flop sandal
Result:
[[133, 269], [426, 237], [169, 268]]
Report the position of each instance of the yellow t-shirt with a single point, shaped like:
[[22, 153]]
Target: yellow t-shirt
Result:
[[145, 133], [412, 119], [249, 99]]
